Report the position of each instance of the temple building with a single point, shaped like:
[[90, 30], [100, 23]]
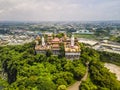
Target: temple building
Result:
[[40, 46], [55, 46], [72, 50], [71, 46]]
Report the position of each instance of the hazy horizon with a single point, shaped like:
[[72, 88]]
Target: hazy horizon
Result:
[[59, 10]]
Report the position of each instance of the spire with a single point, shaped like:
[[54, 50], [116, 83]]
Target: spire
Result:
[[72, 40], [43, 41]]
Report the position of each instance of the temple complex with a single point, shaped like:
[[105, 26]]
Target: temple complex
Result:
[[71, 47]]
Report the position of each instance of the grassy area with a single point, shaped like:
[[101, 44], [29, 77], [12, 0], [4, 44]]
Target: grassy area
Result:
[[85, 36]]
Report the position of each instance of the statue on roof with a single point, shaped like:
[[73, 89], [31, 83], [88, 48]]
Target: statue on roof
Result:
[[43, 41], [72, 40]]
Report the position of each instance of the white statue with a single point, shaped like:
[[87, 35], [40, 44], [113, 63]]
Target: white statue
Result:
[[72, 40], [43, 41]]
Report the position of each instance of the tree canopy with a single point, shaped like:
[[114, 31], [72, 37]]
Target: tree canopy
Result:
[[26, 70]]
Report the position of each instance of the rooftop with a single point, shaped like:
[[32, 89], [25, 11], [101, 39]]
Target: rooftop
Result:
[[56, 40]]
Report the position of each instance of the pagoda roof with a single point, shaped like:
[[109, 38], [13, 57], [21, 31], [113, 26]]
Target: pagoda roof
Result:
[[56, 40]]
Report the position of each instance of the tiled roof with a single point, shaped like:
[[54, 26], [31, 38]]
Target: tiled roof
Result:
[[39, 47], [56, 40]]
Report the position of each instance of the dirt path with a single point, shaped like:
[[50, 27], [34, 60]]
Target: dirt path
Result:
[[114, 69], [76, 85]]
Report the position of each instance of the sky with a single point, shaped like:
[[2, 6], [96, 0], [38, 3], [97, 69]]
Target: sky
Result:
[[59, 10]]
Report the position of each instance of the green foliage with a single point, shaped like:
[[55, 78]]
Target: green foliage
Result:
[[44, 84], [48, 53], [88, 55], [79, 71], [110, 57], [118, 39], [101, 77], [60, 35], [29, 71], [62, 87], [88, 85], [102, 32], [115, 39], [89, 36], [62, 52]]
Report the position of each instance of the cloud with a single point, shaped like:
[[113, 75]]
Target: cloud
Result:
[[59, 10]]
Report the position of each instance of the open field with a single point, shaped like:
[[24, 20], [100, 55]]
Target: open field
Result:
[[89, 36]]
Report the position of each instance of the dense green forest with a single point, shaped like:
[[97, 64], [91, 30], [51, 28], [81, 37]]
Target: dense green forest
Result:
[[27, 71], [115, 39], [22, 69], [110, 57], [99, 77]]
